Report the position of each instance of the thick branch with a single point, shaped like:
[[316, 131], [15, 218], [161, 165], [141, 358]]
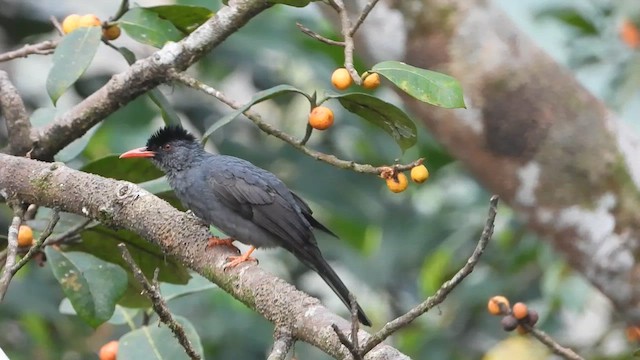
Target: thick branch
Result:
[[15, 116], [143, 76], [128, 206]]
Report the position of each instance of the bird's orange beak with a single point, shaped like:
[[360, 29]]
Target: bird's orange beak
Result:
[[138, 153]]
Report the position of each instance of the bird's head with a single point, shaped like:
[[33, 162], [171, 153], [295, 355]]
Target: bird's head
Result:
[[171, 148]]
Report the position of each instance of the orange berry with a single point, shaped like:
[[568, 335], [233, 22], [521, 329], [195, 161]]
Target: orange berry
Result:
[[25, 236], [70, 23], [520, 311], [370, 80], [398, 184], [321, 118], [89, 20], [109, 351], [630, 34], [341, 79], [498, 305], [111, 32], [633, 333], [419, 174]]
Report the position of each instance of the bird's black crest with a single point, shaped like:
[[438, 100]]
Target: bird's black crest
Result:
[[167, 134]]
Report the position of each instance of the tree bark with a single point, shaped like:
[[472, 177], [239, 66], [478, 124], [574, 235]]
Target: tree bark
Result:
[[532, 134], [125, 205]]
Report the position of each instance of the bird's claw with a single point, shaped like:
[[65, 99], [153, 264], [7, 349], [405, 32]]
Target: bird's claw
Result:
[[237, 260]]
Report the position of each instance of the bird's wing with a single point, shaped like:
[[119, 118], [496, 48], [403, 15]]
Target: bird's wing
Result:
[[308, 214], [260, 197]]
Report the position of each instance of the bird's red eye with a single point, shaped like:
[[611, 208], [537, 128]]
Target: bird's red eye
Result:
[[166, 147]]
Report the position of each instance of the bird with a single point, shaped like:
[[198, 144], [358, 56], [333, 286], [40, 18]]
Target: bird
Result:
[[249, 204]]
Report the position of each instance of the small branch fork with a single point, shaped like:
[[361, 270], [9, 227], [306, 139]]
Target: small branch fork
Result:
[[348, 31], [269, 129], [283, 341], [152, 290], [440, 295], [11, 267], [42, 48]]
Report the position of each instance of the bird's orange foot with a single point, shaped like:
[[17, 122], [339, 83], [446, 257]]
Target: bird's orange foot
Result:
[[237, 260], [216, 241]]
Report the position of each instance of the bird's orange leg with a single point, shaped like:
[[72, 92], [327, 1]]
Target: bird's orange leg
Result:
[[216, 241], [237, 260]]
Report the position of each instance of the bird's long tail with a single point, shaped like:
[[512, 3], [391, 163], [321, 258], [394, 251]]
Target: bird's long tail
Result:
[[319, 265]]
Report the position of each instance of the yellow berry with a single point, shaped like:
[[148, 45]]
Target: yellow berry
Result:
[[498, 305], [89, 20], [25, 236], [111, 32], [321, 118], [370, 80], [419, 174], [70, 23], [341, 79], [398, 184]]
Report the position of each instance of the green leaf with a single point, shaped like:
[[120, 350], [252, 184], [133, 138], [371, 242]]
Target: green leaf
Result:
[[295, 3], [147, 27], [71, 58], [121, 315], [157, 342], [92, 285], [185, 18], [425, 85], [257, 98], [102, 242], [135, 170], [169, 115], [195, 285], [571, 17], [382, 114]]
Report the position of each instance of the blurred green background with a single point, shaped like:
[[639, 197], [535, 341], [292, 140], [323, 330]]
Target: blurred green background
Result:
[[394, 249]]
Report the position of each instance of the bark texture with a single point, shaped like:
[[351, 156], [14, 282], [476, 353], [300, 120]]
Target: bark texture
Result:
[[125, 205], [534, 135]]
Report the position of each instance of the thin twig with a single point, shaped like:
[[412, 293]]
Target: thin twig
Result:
[[55, 217], [444, 290], [365, 11], [548, 341], [157, 302], [69, 233], [345, 28], [269, 129], [282, 344], [56, 24], [317, 36], [355, 352], [42, 48], [16, 117], [12, 250]]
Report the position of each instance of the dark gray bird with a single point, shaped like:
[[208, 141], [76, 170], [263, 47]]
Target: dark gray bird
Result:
[[249, 204]]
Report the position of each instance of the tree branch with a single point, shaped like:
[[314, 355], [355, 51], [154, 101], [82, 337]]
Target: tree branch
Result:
[[15, 116], [12, 251], [269, 129], [282, 344], [122, 204], [444, 290], [43, 48], [143, 76], [157, 302]]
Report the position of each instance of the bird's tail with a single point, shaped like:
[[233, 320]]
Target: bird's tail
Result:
[[319, 265]]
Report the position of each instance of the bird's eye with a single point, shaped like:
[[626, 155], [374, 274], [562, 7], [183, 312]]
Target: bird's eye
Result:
[[166, 147]]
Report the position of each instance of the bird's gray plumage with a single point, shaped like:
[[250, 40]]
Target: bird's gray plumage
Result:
[[249, 204]]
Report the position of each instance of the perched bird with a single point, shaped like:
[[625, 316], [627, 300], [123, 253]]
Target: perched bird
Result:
[[247, 203]]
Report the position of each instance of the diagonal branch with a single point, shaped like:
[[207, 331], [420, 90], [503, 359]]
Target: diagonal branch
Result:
[[15, 116], [43, 48], [126, 205], [157, 302], [143, 76]]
